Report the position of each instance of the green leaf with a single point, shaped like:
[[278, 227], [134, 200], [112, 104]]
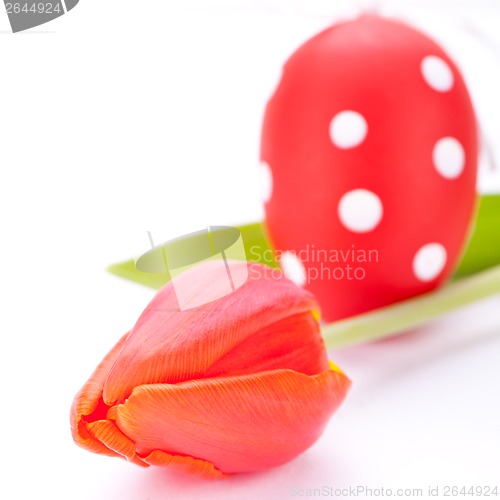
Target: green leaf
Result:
[[128, 271], [483, 249], [257, 249], [470, 283]]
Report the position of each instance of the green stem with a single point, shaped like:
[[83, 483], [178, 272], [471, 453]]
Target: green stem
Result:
[[393, 319]]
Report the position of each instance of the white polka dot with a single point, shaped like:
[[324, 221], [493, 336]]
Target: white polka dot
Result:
[[449, 157], [266, 181], [293, 268], [437, 73], [360, 210], [429, 261], [348, 129]]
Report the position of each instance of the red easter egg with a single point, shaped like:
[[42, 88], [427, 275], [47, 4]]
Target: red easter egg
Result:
[[371, 144]]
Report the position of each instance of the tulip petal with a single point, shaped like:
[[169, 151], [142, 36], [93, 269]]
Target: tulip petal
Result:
[[169, 346], [188, 465], [294, 342], [240, 423], [106, 432], [89, 407]]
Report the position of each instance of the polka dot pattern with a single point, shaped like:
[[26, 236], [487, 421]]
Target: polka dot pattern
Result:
[[360, 210], [437, 74], [266, 181], [348, 129], [429, 262], [448, 157], [293, 268], [374, 154]]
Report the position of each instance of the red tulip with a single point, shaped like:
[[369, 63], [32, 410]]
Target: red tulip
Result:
[[238, 384]]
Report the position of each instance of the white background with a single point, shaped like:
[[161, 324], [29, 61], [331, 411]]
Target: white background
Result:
[[123, 117]]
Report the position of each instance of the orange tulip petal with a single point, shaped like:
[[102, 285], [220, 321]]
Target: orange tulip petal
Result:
[[170, 346], [293, 343], [188, 465], [109, 435], [239, 424], [88, 405]]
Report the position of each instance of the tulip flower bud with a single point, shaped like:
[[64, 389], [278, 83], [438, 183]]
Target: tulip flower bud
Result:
[[238, 384]]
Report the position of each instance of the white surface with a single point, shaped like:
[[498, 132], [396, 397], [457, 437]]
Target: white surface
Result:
[[123, 117]]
